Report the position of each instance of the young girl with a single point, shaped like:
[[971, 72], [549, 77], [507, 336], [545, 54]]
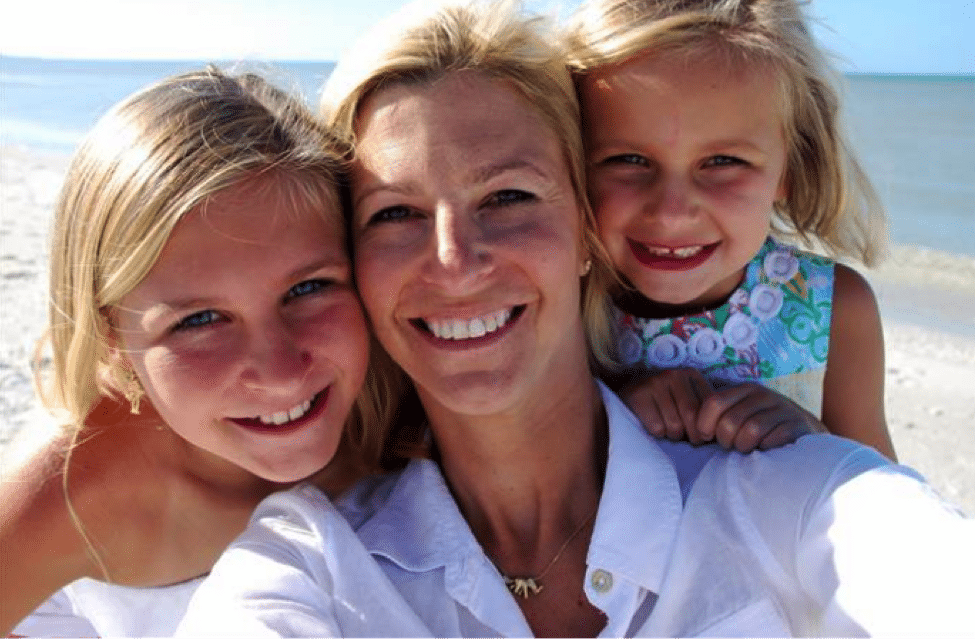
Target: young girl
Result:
[[712, 132], [207, 345]]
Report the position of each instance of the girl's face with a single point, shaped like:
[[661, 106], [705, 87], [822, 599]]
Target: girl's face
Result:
[[686, 157], [246, 334], [467, 242]]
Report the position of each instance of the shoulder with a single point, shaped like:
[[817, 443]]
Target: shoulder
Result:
[[301, 516], [797, 475], [852, 294], [33, 506], [856, 325], [109, 487], [35, 519], [293, 532]]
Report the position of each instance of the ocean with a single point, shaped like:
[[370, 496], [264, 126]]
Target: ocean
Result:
[[914, 134]]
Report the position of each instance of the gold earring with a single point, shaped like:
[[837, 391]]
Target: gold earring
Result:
[[131, 389], [586, 267]]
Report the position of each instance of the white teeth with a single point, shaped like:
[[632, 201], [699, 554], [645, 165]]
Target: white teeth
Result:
[[457, 329], [490, 324], [687, 251], [285, 416], [477, 327], [683, 252]]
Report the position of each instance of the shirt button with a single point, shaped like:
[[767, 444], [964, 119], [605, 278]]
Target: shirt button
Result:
[[602, 581]]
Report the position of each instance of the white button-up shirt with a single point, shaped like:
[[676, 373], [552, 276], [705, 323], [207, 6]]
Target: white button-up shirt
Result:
[[819, 537]]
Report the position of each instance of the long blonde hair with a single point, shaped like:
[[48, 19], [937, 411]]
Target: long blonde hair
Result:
[[147, 163], [830, 199], [422, 44]]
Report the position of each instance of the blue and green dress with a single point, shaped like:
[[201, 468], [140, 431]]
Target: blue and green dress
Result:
[[773, 330]]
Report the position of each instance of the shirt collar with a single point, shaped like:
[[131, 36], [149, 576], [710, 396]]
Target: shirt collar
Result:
[[641, 504], [419, 527]]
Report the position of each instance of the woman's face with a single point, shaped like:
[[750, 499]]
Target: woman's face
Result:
[[467, 242], [246, 334]]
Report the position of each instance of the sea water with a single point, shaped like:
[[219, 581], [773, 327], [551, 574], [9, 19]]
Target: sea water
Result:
[[914, 134]]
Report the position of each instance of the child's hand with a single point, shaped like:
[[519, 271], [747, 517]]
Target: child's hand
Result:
[[750, 416], [668, 403], [681, 404]]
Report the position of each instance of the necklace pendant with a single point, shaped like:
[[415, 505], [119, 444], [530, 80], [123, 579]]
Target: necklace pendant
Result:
[[523, 587]]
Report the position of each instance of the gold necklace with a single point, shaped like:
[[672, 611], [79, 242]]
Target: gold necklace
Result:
[[524, 587]]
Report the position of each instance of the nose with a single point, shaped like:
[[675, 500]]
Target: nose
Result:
[[460, 254], [277, 363], [673, 201]]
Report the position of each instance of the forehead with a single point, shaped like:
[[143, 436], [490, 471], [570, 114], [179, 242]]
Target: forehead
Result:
[[700, 79], [461, 115], [277, 196]]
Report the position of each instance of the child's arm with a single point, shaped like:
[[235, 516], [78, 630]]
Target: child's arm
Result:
[[853, 391], [681, 404]]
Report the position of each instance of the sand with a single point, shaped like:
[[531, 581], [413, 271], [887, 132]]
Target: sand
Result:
[[927, 303]]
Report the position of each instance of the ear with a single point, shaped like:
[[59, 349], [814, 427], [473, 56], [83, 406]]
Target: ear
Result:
[[585, 267], [782, 190], [114, 345]]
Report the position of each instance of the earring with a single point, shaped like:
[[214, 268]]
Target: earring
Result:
[[586, 267], [131, 389]]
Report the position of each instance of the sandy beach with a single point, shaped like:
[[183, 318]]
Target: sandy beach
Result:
[[927, 302]]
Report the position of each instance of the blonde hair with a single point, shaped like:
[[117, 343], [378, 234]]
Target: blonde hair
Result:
[[829, 198], [420, 45], [148, 162]]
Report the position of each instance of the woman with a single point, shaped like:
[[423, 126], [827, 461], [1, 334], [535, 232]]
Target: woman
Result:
[[543, 507], [199, 370]]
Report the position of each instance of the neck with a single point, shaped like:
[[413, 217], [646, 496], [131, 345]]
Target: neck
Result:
[[525, 480]]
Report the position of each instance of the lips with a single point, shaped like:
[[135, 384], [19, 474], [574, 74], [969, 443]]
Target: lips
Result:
[[288, 421], [470, 330], [665, 258]]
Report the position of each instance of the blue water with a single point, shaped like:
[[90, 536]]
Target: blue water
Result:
[[51, 104], [915, 134]]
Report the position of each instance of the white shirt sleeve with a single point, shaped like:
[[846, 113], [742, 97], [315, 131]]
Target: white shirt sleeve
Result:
[[882, 554], [267, 583], [56, 617], [298, 570]]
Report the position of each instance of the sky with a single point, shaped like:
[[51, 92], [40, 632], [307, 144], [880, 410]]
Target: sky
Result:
[[906, 36]]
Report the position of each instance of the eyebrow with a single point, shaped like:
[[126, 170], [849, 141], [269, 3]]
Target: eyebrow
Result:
[[180, 303], [479, 175], [485, 173], [728, 143]]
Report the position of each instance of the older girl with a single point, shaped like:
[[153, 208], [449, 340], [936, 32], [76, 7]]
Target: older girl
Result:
[[208, 348]]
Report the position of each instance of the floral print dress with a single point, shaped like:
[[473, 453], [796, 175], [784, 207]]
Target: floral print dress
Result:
[[773, 330]]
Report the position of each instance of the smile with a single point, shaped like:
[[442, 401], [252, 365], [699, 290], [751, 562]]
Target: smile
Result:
[[286, 420], [456, 329], [682, 252], [286, 416], [666, 258]]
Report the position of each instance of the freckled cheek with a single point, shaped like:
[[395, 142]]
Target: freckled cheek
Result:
[[742, 197], [550, 250], [616, 201], [339, 334], [379, 276], [172, 376], [614, 216]]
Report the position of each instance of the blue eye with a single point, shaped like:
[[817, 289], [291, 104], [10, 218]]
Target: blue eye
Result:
[[626, 158], [391, 214], [307, 287], [196, 320], [723, 160], [508, 197]]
